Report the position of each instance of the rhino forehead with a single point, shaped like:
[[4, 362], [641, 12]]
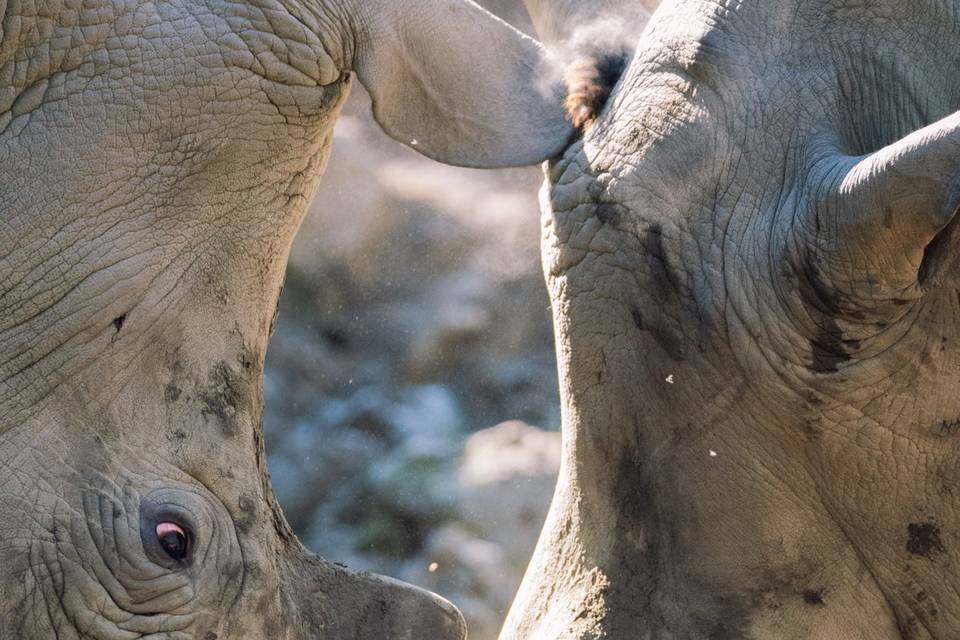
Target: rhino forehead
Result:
[[68, 46], [716, 122]]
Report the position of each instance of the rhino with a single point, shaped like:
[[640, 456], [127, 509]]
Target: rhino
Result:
[[751, 255], [156, 160]]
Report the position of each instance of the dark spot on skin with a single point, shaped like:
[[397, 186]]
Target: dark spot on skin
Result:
[[887, 217], [731, 615], [828, 349], [246, 359], [210, 635], [246, 504], [923, 539], [171, 392], [949, 427], [636, 512], [658, 259], [118, 322], [608, 213], [907, 627], [669, 339], [827, 354], [221, 397], [244, 525], [667, 297], [253, 569], [726, 631], [932, 612], [811, 429]]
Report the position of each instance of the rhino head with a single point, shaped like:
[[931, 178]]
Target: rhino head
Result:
[[752, 260], [156, 160]]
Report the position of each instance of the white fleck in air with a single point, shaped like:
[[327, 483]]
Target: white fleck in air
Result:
[[713, 454], [669, 379], [433, 567]]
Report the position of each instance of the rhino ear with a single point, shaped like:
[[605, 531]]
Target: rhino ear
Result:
[[458, 84], [886, 218]]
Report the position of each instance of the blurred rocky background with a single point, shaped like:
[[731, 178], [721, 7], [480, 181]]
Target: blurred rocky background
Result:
[[411, 391]]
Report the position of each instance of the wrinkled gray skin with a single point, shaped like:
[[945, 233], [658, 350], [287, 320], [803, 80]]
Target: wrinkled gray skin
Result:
[[155, 163], [756, 297]]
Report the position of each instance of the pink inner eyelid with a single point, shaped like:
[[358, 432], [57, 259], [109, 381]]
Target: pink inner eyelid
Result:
[[168, 527]]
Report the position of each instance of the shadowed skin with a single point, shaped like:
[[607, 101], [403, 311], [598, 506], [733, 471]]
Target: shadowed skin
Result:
[[752, 261]]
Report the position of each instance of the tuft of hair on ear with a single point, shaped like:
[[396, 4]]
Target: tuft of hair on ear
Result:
[[590, 81]]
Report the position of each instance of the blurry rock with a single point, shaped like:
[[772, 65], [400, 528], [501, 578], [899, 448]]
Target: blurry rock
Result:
[[506, 481], [429, 420], [446, 338]]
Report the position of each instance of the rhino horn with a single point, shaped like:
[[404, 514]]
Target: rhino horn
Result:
[[881, 221]]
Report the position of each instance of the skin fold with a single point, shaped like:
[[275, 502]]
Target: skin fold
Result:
[[156, 159], [750, 256]]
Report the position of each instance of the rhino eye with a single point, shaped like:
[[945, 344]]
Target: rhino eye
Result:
[[174, 540]]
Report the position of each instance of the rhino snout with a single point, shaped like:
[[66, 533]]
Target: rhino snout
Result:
[[421, 615], [336, 602]]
